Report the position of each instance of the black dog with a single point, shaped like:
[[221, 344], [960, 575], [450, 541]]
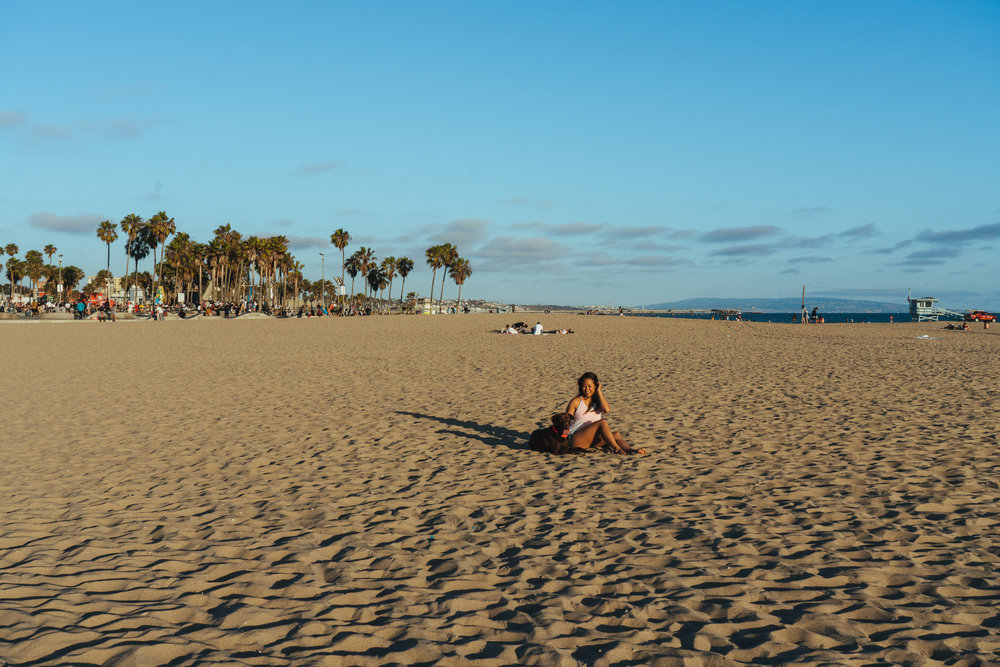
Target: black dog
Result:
[[555, 439]]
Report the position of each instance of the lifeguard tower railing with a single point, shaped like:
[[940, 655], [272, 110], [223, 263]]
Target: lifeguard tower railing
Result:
[[924, 310]]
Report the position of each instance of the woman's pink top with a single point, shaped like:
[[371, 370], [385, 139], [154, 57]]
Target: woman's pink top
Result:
[[583, 416]]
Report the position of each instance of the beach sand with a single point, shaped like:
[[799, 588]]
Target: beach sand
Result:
[[358, 491]]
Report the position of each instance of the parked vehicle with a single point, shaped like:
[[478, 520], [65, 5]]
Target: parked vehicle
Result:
[[979, 316]]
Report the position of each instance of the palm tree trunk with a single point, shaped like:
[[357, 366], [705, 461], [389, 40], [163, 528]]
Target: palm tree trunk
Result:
[[458, 304], [433, 275]]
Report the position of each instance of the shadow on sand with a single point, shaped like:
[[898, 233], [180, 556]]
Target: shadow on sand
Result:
[[496, 436]]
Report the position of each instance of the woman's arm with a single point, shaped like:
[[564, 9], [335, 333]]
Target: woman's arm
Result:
[[601, 402], [571, 408]]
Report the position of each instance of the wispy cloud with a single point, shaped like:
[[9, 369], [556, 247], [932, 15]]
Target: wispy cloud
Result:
[[318, 167], [738, 234], [521, 250], [576, 228], [746, 250], [810, 260], [638, 232], [660, 261], [935, 253], [9, 119], [307, 242], [808, 210], [36, 133], [891, 249], [980, 233], [461, 233], [85, 223], [863, 231]]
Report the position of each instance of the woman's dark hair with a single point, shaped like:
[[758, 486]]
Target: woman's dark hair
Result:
[[594, 405]]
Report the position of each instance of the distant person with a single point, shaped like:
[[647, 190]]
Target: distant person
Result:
[[538, 329], [814, 316]]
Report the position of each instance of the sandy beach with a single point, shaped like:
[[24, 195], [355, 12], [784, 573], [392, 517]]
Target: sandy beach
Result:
[[358, 491]]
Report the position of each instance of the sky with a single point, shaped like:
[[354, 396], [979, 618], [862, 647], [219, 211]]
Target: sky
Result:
[[576, 153]]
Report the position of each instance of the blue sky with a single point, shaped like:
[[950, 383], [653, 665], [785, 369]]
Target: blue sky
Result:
[[575, 152]]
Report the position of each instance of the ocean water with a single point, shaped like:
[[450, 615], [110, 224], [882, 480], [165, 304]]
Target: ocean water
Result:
[[830, 318]]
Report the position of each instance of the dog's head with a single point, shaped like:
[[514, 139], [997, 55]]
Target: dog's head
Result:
[[561, 422]]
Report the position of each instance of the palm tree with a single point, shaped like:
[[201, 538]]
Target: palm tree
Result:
[[388, 268], [277, 247], [403, 265], [106, 232], [130, 224], [460, 271], [180, 256], [433, 255], [295, 273], [33, 267], [340, 239], [139, 248], [71, 275], [367, 256], [228, 242], [11, 249], [353, 267], [449, 254], [15, 273], [374, 278], [160, 227], [50, 250]]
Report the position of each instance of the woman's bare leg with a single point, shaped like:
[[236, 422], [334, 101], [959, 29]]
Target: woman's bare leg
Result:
[[624, 445], [586, 436]]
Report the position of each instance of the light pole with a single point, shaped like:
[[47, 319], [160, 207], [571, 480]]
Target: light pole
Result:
[[322, 279], [60, 286]]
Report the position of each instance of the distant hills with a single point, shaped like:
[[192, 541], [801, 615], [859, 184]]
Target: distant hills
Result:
[[793, 305]]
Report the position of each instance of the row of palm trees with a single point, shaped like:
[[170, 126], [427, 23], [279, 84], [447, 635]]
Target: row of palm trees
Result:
[[381, 275], [34, 268], [236, 266]]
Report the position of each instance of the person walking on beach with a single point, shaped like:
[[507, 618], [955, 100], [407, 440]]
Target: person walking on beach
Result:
[[589, 428]]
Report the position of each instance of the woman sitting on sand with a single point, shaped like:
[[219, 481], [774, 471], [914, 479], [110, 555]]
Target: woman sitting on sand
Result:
[[588, 428]]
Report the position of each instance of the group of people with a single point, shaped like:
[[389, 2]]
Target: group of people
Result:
[[522, 328], [964, 326], [810, 318], [584, 422]]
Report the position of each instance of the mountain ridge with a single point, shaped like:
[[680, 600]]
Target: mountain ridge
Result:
[[783, 305]]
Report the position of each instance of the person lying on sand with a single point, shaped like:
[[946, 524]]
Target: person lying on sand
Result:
[[589, 428]]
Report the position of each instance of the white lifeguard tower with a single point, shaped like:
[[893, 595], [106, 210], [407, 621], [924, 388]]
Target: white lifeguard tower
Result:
[[924, 310]]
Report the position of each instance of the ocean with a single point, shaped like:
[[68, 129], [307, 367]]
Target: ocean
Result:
[[829, 318]]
